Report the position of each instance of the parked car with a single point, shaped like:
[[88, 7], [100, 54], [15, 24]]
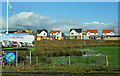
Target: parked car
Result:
[[29, 44], [32, 45], [6, 43], [15, 44], [22, 44]]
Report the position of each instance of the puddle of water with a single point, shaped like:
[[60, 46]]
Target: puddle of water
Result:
[[78, 60], [92, 55]]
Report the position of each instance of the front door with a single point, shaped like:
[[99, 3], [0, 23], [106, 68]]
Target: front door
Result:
[[75, 37]]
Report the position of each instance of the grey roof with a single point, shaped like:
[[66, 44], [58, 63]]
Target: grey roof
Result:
[[39, 31], [77, 30]]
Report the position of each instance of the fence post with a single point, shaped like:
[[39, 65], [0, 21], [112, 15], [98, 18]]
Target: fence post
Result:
[[30, 57], [3, 59], [69, 61], [16, 58], [106, 61], [36, 60]]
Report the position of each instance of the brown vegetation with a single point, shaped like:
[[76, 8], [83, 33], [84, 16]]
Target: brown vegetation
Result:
[[67, 47]]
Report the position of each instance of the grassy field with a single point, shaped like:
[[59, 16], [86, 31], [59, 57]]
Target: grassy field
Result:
[[64, 68], [93, 56], [43, 58], [19, 48], [67, 47], [112, 52]]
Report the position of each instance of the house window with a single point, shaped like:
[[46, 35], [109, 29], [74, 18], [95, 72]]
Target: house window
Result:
[[44, 34], [94, 33], [72, 33], [105, 33], [44, 37], [72, 37], [52, 33], [88, 33], [111, 33], [57, 34]]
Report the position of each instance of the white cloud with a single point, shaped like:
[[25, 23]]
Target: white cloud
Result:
[[26, 20], [94, 23], [2, 22]]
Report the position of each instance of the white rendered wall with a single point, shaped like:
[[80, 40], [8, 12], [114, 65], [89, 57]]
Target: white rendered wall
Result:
[[109, 33], [75, 33], [42, 33]]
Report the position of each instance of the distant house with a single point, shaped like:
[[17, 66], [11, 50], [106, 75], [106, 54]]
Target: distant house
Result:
[[108, 33], [84, 35], [92, 34], [75, 33], [42, 34], [55, 34], [115, 37], [24, 31]]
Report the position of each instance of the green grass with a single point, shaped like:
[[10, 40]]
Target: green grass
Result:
[[19, 48], [45, 63], [110, 51], [65, 68]]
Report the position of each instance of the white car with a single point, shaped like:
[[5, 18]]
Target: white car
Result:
[[22, 44], [29, 44], [15, 44], [5, 43]]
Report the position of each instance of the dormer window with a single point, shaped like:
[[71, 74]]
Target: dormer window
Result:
[[88, 33], [72, 33], [44, 34], [111, 33], [57, 33]]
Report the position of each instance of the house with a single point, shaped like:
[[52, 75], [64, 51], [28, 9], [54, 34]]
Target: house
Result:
[[115, 37], [92, 34], [25, 31], [108, 32], [42, 34], [55, 34], [84, 35], [75, 33]]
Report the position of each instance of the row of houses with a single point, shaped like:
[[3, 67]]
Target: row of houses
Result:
[[43, 34], [54, 34], [87, 34], [74, 34]]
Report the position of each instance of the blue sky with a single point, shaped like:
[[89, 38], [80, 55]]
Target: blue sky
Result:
[[62, 0], [84, 12], [64, 14]]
